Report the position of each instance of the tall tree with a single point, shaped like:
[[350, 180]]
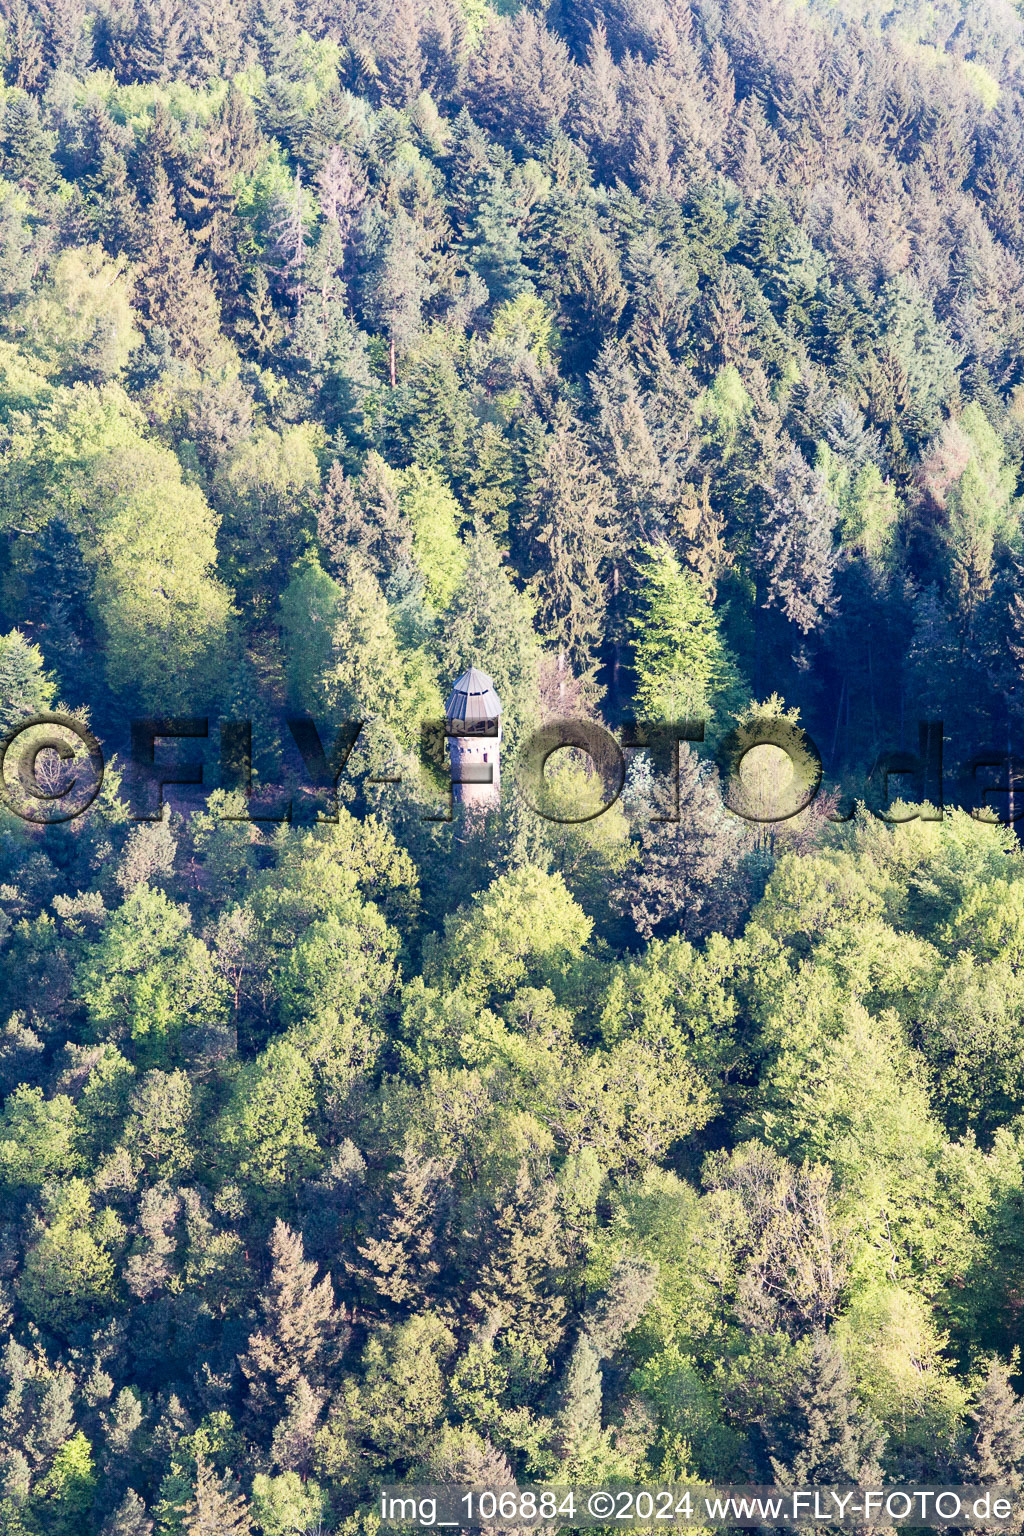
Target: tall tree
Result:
[[299, 1322], [573, 520]]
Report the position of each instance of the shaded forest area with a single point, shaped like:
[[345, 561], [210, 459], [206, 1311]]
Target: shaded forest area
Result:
[[657, 358]]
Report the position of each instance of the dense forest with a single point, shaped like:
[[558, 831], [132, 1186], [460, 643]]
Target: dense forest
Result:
[[663, 359]]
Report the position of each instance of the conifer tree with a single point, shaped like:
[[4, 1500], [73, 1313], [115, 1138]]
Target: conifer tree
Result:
[[401, 65], [596, 113], [25, 687], [579, 1410], [394, 287], [680, 659], [403, 1262], [217, 1509], [795, 550], [688, 876], [171, 292], [520, 1253], [64, 41], [824, 1436], [26, 149], [299, 1321], [994, 1449], [157, 40], [23, 52], [490, 625], [287, 254], [129, 1519], [573, 520]]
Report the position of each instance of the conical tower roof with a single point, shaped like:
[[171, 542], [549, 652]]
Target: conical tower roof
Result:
[[473, 700]]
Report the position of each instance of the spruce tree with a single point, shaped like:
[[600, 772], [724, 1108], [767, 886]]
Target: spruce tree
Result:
[[795, 548], [25, 687], [824, 1435], [403, 1263], [994, 1448], [129, 1519], [24, 45], [394, 287], [680, 659], [578, 1416], [26, 149], [217, 1509], [299, 1320], [573, 517], [156, 44], [688, 877], [172, 292], [489, 624]]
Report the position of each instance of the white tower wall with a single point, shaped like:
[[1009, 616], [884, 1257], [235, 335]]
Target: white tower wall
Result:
[[476, 769]]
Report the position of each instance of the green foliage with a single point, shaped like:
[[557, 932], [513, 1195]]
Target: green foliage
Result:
[[25, 688], [435, 516], [264, 1134], [680, 658], [344, 348], [69, 1270], [80, 323], [148, 976], [147, 537]]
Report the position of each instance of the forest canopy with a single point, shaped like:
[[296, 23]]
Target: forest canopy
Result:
[[663, 359]]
